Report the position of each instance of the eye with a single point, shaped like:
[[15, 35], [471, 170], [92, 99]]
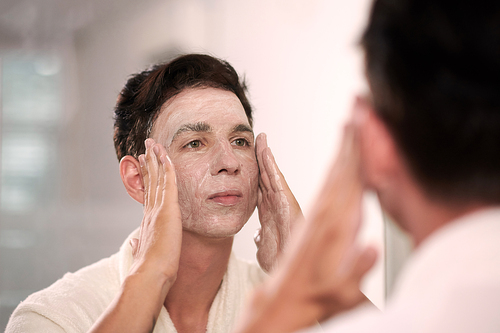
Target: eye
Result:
[[193, 144], [240, 142]]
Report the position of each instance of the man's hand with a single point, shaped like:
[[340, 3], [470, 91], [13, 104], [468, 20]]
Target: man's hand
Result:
[[159, 244], [156, 253], [278, 209], [320, 275]]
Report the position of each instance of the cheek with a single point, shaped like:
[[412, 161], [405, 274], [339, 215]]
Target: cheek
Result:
[[250, 164], [191, 174]]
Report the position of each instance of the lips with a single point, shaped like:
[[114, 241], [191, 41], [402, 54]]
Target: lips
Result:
[[226, 197]]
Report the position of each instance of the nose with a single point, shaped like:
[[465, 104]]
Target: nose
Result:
[[224, 160]]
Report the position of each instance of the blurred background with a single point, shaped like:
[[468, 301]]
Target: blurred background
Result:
[[62, 65]]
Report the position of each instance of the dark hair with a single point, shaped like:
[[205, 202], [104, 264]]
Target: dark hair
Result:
[[434, 70], [141, 99]]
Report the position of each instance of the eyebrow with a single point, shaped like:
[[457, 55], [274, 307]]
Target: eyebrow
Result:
[[196, 127], [242, 128], [204, 127]]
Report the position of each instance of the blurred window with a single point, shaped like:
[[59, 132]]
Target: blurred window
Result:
[[31, 109], [30, 117]]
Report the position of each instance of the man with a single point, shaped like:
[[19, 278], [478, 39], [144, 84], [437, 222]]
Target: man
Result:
[[183, 135], [427, 140]]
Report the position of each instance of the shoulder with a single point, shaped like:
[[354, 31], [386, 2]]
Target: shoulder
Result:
[[72, 303]]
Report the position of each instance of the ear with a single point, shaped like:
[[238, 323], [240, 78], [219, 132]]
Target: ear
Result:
[[380, 158], [130, 171]]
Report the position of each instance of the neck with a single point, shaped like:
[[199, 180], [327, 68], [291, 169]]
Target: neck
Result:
[[437, 216], [203, 263], [421, 215]]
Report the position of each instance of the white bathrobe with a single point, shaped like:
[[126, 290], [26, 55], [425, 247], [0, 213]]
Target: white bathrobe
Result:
[[73, 303]]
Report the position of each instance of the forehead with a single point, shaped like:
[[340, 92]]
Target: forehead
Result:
[[217, 107]]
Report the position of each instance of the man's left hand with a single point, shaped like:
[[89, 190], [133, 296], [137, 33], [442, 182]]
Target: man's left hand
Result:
[[278, 208]]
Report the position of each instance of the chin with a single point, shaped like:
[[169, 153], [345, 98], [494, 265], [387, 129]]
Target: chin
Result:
[[217, 226]]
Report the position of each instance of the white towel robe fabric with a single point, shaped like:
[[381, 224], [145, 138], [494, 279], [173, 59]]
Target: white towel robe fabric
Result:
[[73, 303], [451, 284]]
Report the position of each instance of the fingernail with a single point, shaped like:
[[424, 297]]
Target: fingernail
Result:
[[148, 142], [162, 159], [141, 160], [156, 150]]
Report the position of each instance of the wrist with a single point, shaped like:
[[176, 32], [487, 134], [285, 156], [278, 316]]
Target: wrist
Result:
[[149, 277]]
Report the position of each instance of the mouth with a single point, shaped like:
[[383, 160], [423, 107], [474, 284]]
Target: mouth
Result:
[[226, 198]]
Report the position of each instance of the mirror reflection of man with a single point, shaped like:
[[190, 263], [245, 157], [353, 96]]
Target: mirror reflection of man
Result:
[[184, 138], [427, 140]]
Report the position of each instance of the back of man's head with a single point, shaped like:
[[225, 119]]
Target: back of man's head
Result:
[[434, 71]]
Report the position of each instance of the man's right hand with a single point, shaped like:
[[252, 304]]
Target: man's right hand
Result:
[[158, 248], [156, 252]]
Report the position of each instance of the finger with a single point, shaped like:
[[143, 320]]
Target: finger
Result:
[[265, 183], [168, 188], [261, 205], [159, 152], [343, 187], [335, 221], [267, 173], [260, 146], [145, 178], [348, 157], [170, 179], [152, 167], [275, 177], [171, 204], [364, 263], [338, 218], [351, 136], [171, 176]]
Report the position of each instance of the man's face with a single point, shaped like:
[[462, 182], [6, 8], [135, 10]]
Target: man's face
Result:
[[209, 140]]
